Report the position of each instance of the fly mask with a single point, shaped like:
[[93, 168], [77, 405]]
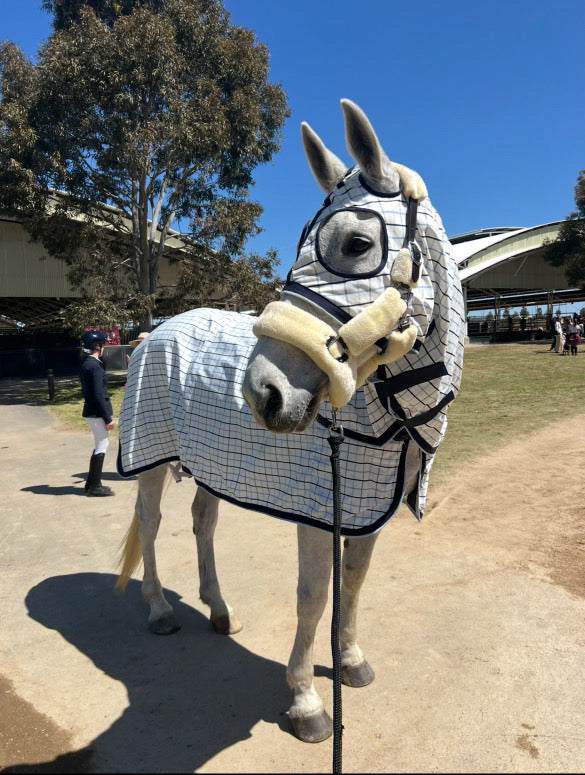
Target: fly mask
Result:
[[359, 262]]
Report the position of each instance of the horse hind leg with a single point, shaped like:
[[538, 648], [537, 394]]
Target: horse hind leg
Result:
[[357, 553], [205, 513], [161, 620]]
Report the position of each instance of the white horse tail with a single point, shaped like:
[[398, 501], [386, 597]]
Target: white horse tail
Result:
[[130, 554]]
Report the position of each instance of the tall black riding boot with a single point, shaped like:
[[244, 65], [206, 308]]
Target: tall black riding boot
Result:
[[93, 486]]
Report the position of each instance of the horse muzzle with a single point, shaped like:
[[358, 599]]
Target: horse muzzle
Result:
[[351, 354]]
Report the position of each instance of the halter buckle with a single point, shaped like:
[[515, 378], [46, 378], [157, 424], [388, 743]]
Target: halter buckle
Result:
[[337, 342], [416, 258]]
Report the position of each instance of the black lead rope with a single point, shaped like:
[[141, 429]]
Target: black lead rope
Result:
[[335, 440]]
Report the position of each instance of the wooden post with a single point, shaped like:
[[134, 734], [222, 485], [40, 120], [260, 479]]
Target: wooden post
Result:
[[51, 384]]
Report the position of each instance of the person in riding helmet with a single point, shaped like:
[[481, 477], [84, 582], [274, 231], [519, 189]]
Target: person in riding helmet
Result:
[[97, 409]]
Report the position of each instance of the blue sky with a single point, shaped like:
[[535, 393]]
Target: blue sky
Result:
[[485, 100]]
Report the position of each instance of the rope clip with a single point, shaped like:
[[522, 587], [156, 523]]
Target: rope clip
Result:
[[335, 429]]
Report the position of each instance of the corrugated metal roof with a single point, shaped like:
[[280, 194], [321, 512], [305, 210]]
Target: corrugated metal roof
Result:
[[463, 250]]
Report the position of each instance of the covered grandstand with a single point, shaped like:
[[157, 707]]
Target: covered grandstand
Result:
[[506, 267], [500, 268]]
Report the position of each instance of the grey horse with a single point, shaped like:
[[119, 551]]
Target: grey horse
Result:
[[370, 323]]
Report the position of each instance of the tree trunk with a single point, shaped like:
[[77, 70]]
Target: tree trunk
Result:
[[145, 322]]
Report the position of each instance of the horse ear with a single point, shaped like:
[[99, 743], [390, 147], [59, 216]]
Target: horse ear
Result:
[[365, 148], [325, 166]]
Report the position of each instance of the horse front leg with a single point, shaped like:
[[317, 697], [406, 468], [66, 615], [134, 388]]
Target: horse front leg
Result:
[[205, 512], [357, 553], [161, 620], [311, 722]]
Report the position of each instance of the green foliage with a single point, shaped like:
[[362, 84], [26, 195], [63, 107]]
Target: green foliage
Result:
[[67, 12], [141, 113], [245, 281], [17, 138], [568, 250]]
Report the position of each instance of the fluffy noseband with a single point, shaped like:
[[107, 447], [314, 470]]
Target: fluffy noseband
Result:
[[350, 355]]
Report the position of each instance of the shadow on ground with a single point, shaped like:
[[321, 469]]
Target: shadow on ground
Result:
[[35, 392], [48, 489], [72, 489], [190, 695]]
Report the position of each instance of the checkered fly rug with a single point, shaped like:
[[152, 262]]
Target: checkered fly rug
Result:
[[183, 404], [183, 401]]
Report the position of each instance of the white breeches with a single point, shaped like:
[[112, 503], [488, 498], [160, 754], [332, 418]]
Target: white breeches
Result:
[[100, 435]]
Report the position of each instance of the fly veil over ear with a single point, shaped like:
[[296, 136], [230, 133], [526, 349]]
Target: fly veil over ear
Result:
[[374, 335]]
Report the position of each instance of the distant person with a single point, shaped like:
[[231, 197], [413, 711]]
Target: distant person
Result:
[[559, 343], [97, 409], [566, 348], [135, 342], [573, 335]]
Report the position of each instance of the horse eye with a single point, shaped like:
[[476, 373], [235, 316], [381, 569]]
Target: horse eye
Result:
[[357, 245]]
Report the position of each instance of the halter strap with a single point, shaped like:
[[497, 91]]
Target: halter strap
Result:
[[409, 238], [319, 301]]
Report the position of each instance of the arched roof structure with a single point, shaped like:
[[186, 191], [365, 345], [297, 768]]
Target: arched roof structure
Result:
[[506, 266], [499, 266]]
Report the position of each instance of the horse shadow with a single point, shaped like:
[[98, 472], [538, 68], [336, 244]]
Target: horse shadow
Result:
[[190, 696]]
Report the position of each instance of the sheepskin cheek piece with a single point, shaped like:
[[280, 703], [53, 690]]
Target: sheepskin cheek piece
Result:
[[290, 324], [346, 370]]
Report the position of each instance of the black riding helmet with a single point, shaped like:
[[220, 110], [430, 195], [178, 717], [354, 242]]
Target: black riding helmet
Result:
[[91, 338]]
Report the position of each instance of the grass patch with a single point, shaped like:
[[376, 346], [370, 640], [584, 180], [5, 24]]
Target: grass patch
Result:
[[68, 402], [507, 390]]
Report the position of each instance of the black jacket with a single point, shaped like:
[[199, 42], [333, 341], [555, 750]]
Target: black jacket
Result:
[[93, 380]]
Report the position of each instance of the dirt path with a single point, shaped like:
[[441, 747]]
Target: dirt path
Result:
[[473, 622]]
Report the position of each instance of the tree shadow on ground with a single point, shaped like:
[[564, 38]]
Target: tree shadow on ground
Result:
[[190, 696], [35, 392]]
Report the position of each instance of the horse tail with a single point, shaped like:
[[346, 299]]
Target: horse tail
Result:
[[130, 554]]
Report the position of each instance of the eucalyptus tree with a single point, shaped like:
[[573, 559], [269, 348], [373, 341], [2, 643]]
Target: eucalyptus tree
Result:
[[568, 250], [142, 115]]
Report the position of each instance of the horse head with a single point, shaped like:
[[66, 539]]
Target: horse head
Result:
[[351, 301]]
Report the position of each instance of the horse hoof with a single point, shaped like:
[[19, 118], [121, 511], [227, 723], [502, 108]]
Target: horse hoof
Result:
[[357, 675], [226, 625], [312, 729], [166, 625]]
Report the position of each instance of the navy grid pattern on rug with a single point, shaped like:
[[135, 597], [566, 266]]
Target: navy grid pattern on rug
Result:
[[183, 398]]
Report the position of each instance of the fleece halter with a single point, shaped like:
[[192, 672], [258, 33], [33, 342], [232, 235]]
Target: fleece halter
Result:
[[380, 332]]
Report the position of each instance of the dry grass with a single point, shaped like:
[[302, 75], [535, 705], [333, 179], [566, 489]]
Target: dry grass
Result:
[[507, 390], [68, 401]]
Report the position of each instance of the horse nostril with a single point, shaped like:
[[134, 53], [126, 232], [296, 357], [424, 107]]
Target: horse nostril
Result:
[[313, 404], [273, 403]]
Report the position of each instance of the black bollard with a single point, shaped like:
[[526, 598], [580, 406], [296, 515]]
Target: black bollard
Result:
[[51, 384]]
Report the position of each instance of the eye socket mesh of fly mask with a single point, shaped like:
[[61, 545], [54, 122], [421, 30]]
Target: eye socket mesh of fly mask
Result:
[[351, 294], [333, 246]]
